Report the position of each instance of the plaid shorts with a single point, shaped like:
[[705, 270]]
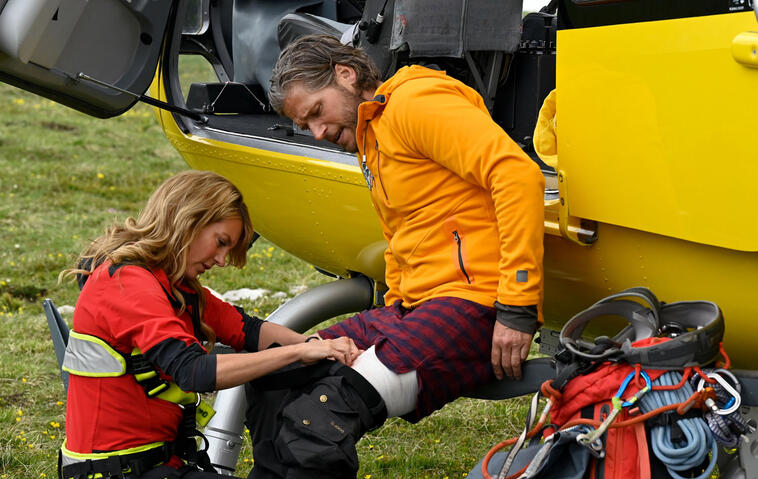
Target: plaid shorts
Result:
[[446, 340]]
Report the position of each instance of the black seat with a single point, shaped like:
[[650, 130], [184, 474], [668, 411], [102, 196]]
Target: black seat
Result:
[[296, 25], [59, 332]]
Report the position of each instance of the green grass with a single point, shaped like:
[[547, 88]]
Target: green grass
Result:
[[63, 178]]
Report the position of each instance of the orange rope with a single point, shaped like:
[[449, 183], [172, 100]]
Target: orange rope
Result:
[[637, 371], [704, 376], [727, 361], [685, 376]]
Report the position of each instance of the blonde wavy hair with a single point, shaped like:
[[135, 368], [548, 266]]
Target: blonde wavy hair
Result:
[[161, 235]]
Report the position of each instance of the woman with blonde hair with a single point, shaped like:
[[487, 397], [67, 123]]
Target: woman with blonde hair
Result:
[[136, 354]]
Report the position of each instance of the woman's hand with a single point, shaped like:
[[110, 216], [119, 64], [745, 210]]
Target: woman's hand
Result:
[[341, 349]]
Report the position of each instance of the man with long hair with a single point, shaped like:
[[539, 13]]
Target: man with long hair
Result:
[[461, 208]]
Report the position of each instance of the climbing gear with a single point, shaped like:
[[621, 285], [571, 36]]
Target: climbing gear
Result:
[[694, 327], [136, 461], [725, 423], [683, 443], [647, 374], [593, 438], [90, 356]]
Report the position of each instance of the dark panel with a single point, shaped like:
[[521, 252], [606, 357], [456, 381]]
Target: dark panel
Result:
[[595, 13]]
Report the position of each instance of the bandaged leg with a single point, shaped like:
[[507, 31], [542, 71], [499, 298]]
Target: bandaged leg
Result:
[[399, 391]]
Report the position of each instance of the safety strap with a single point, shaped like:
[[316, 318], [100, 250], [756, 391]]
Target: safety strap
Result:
[[112, 464]]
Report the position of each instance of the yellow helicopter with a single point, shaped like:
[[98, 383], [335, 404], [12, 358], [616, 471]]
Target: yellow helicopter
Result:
[[650, 176]]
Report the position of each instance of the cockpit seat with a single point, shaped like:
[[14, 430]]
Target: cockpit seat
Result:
[[296, 25], [255, 41]]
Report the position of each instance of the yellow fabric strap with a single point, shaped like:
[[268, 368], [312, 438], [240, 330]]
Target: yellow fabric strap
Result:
[[105, 455], [176, 395]]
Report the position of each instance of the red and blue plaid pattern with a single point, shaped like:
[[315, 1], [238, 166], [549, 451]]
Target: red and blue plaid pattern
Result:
[[446, 340]]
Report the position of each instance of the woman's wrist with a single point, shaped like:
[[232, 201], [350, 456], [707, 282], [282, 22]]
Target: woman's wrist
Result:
[[313, 338]]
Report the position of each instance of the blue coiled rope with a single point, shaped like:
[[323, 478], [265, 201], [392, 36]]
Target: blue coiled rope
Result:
[[689, 452]]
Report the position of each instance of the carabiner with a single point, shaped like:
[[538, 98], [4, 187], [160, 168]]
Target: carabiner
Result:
[[638, 394], [733, 404]]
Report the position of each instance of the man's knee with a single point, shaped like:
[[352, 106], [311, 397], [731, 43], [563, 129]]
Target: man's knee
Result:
[[316, 428]]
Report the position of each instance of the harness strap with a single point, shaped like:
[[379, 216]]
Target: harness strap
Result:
[[118, 464]]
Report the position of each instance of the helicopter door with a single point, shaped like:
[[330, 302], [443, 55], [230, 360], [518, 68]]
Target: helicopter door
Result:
[[66, 50]]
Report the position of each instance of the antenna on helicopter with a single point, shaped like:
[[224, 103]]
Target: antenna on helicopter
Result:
[[374, 26]]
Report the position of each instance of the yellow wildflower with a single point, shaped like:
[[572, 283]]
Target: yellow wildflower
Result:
[[100, 176], [18, 101]]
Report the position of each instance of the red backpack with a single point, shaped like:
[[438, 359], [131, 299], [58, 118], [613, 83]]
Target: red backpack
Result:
[[605, 377], [588, 396]]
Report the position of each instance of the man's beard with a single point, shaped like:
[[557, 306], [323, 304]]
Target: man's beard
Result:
[[350, 112]]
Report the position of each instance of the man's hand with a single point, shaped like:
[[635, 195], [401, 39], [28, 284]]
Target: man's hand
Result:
[[509, 349]]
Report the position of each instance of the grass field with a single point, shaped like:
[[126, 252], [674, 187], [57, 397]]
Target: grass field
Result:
[[64, 177]]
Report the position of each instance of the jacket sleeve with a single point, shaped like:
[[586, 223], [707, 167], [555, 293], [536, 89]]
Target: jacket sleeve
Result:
[[231, 324], [446, 121]]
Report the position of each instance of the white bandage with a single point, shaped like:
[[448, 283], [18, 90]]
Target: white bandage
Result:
[[399, 391]]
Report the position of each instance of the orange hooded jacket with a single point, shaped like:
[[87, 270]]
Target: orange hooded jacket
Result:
[[461, 205]]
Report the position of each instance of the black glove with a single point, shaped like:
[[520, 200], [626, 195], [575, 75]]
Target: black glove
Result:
[[520, 318]]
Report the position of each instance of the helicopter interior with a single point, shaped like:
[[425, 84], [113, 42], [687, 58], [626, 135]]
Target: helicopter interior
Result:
[[510, 61]]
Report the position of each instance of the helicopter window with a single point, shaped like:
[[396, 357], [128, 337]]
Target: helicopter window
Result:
[[197, 19], [194, 69]]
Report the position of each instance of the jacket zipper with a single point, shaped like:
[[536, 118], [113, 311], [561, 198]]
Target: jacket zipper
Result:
[[460, 255], [379, 172]]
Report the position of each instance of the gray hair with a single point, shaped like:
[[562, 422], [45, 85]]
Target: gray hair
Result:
[[311, 60]]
